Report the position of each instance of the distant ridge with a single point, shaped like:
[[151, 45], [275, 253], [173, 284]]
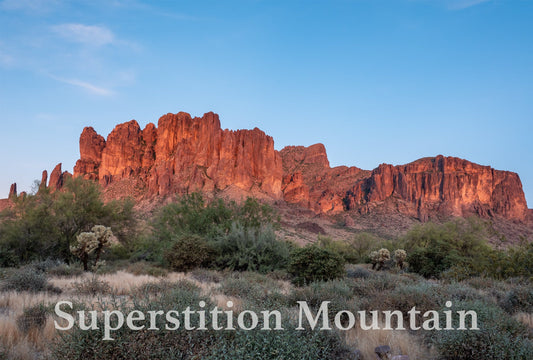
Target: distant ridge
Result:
[[185, 154]]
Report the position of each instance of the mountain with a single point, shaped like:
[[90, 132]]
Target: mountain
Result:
[[185, 154]]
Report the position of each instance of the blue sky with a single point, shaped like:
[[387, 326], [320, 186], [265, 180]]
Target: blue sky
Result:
[[374, 80]]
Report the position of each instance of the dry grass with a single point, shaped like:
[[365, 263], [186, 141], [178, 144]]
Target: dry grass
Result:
[[24, 346], [400, 342], [14, 344], [525, 318], [124, 283], [15, 302], [222, 300]]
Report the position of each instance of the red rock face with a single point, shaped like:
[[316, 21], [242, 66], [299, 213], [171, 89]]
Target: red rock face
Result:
[[444, 185], [308, 179], [295, 191], [91, 147], [56, 178], [183, 155], [13, 191], [44, 179]]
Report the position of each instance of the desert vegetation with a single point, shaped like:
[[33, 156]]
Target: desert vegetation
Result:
[[70, 245]]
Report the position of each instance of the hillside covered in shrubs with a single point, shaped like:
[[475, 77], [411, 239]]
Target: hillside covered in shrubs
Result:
[[70, 244]]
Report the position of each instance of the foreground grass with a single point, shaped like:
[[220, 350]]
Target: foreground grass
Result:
[[361, 289]]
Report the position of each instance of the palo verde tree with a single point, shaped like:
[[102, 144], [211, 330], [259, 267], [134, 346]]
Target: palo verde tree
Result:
[[45, 224]]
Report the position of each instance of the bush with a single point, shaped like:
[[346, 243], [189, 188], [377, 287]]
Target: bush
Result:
[[205, 275], [192, 215], [32, 318], [130, 344], [44, 266], [189, 252], [499, 337], [363, 243], [92, 286], [146, 268], [283, 344], [64, 270], [251, 250], [377, 283], [435, 248], [312, 263], [26, 279], [338, 292], [358, 272], [345, 249], [519, 299], [44, 225], [423, 295]]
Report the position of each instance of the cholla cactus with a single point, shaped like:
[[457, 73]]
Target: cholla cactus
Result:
[[399, 256], [374, 258], [86, 243], [383, 256], [92, 242]]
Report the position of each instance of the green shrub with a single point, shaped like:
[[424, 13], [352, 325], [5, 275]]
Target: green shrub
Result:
[[44, 266], [44, 225], [191, 214], [279, 274], [377, 283], [423, 295], [189, 252], [284, 344], [64, 270], [117, 252], [363, 243], [492, 344], [499, 337], [463, 292], [345, 249], [243, 288], [245, 249], [312, 263], [435, 248], [92, 286], [26, 279], [152, 288], [206, 275], [146, 268], [519, 299], [32, 318], [338, 292], [358, 272], [130, 344]]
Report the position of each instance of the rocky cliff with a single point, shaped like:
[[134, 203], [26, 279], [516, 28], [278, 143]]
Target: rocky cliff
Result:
[[184, 154], [424, 188], [443, 185]]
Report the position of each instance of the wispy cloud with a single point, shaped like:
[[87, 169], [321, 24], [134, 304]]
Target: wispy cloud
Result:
[[93, 89], [85, 34], [463, 4]]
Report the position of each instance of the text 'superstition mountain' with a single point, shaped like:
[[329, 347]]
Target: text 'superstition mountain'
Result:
[[184, 154]]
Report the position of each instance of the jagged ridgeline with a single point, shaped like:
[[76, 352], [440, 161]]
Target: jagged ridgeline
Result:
[[185, 154]]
